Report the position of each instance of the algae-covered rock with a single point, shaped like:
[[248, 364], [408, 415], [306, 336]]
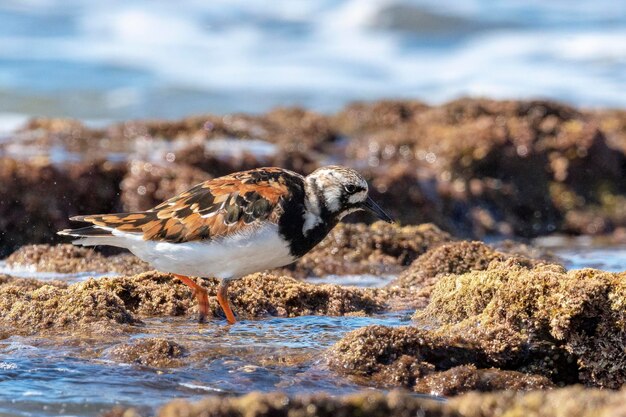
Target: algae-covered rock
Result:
[[449, 258], [380, 248], [425, 361], [412, 288], [256, 295], [371, 404], [26, 310], [571, 402], [363, 117], [148, 184], [490, 165], [37, 198], [147, 294], [580, 313], [263, 294], [154, 351], [28, 305], [466, 378], [67, 258]]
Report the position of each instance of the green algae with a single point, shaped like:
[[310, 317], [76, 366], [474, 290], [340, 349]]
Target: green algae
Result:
[[578, 312]]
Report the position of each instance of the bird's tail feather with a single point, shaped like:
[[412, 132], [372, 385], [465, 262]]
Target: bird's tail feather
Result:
[[87, 231], [93, 236]]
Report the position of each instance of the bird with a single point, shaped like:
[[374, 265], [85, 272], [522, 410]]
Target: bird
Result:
[[234, 225]]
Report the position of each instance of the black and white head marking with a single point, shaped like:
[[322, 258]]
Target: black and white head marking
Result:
[[331, 193]]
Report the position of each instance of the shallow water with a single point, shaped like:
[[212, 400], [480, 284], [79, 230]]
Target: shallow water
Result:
[[586, 252], [42, 376], [46, 377]]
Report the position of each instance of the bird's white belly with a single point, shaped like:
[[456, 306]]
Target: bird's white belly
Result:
[[231, 257]]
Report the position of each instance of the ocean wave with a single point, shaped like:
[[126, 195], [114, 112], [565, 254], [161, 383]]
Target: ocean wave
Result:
[[163, 59]]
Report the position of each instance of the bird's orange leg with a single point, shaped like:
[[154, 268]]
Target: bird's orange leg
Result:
[[222, 298], [201, 295]]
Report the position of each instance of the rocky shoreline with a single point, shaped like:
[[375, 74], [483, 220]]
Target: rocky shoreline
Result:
[[500, 329], [485, 320], [473, 167]]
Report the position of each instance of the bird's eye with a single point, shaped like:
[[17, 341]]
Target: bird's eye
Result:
[[350, 188]]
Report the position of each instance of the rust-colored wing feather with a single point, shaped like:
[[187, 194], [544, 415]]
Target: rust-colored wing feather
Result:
[[212, 209]]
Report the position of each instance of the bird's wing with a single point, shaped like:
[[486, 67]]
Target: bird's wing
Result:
[[215, 208]]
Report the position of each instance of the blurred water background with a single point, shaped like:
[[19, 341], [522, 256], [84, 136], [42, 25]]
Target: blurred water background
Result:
[[128, 59]]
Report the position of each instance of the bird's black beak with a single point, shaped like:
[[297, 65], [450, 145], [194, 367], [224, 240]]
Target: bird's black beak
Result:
[[371, 206]]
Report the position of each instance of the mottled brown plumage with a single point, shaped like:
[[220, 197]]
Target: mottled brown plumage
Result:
[[212, 209]]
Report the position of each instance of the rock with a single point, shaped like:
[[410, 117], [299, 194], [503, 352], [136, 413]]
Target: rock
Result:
[[147, 184], [155, 352], [264, 294], [525, 250], [494, 167], [68, 258], [28, 306], [364, 117], [36, 198], [425, 360], [572, 401], [29, 283], [25, 309], [576, 314], [466, 378], [405, 196], [613, 124], [413, 287], [380, 248], [448, 258], [369, 404]]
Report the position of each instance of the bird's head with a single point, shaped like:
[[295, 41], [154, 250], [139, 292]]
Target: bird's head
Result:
[[340, 191]]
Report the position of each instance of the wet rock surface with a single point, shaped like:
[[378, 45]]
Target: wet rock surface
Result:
[[449, 258], [487, 309], [106, 304], [258, 295], [578, 315], [154, 352], [414, 285], [321, 405], [380, 248], [37, 198], [475, 153], [430, 362], [466, 378], [67, 258], [573, 401], [25, 310], [474, 167]]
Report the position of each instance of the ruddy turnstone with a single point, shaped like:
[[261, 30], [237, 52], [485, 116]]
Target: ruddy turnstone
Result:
[[235, 225]]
